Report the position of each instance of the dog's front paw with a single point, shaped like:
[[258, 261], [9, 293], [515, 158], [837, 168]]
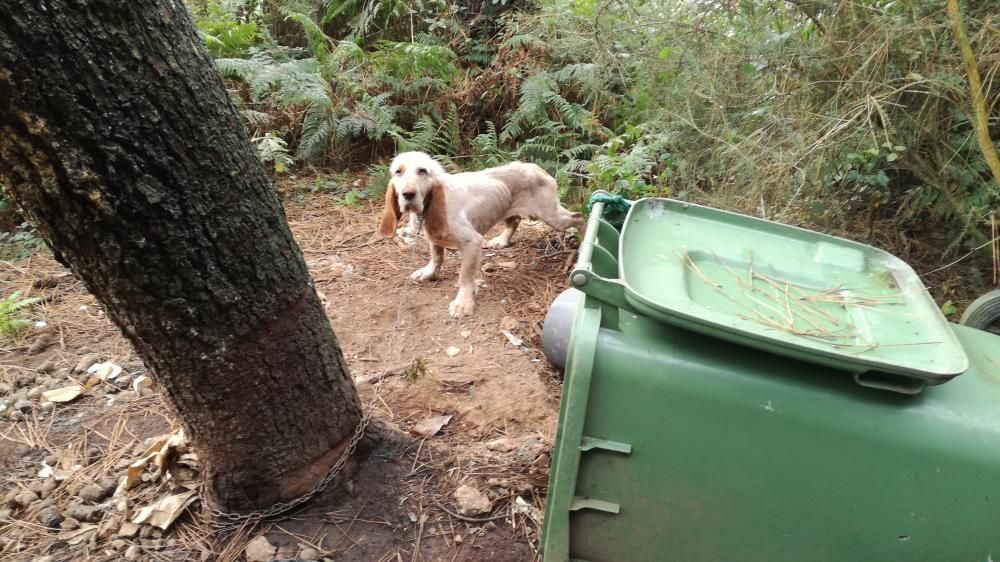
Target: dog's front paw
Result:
[[425, 273], [463, 305]]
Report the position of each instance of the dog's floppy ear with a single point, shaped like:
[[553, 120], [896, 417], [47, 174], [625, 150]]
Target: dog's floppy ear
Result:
[[391, 213], [436, 213]]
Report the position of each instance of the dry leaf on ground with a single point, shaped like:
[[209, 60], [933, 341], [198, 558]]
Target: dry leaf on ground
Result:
[[523, 507], [64, 394], [156, 454], [164, 512], [105, 371], [430, 426]]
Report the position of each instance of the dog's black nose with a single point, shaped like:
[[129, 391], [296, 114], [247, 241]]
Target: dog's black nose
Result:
[[409, 195]]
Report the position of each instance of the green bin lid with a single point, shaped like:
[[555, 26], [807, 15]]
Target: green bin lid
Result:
[[784, 289]]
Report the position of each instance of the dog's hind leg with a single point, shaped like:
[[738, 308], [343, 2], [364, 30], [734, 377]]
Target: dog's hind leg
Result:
[[503, 239], [559, 218]]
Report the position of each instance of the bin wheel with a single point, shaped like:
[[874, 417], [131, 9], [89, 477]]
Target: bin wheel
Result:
[[984, 313]]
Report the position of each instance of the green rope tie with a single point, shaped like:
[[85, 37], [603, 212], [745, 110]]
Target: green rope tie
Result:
[[615, 207]]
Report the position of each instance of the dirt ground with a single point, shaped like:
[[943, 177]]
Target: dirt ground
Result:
[[502, 401]]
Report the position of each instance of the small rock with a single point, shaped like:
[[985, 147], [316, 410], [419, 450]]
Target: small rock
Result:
[[453, 351], [24, 380], [94, 454], [42, 504], [152, 544], [92, 493], [150, 532], [118, 544], [88, 513], [85, 362], [457, 538], [69, 524], [22, 406], [73, 486], [46, 407], [471, 501], [51, 459], [259, 550], [508, 323], [26, 498], [128, 530], [109, 485], [6, 388], [109, 527], [48, 367], [5, 515], [121, 382], [36, 486], [489, 526], [9, 499], [123, 397], [48, 486], [16, 416], [466, 333], [133, 552], [35, 393], [43, 341], [62, 374], [309, 554], [50, 517]]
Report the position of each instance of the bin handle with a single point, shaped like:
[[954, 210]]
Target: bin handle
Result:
[[595, 265]]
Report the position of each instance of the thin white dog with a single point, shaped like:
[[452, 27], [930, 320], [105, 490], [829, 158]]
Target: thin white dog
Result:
[[458, 209]]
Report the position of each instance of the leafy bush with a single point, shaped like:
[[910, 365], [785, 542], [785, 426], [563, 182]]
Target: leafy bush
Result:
[[273, 150], [10, 309], [20, 244], [790, 110]]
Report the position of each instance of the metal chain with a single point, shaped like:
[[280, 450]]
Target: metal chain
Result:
[[226, 521]]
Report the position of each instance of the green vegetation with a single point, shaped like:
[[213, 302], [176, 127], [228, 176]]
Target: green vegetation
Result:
[[10, 309], [806, 111]]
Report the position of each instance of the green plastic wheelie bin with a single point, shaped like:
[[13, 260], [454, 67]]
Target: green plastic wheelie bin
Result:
[[737, 389]]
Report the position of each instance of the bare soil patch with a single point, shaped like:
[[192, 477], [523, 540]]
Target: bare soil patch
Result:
[[503, 402]]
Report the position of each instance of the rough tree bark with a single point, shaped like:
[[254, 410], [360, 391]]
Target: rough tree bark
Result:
[[118, 140]]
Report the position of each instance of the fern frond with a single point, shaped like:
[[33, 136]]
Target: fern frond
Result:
[[317, 133], [523, 41], [255, 119], [238, 69]]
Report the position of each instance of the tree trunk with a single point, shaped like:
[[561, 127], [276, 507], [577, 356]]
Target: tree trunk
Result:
[[119, 141]]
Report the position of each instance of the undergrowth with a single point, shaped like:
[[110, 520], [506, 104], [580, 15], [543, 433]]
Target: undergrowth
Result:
[[841, 115], [11, 308]]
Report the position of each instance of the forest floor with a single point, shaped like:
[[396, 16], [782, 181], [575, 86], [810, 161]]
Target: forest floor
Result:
[[500, 401]]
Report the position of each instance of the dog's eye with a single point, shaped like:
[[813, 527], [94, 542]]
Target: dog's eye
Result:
[[398, 172], [422, 171]]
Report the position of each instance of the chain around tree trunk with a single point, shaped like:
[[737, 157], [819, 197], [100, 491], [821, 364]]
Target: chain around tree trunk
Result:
[[227, 521]]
